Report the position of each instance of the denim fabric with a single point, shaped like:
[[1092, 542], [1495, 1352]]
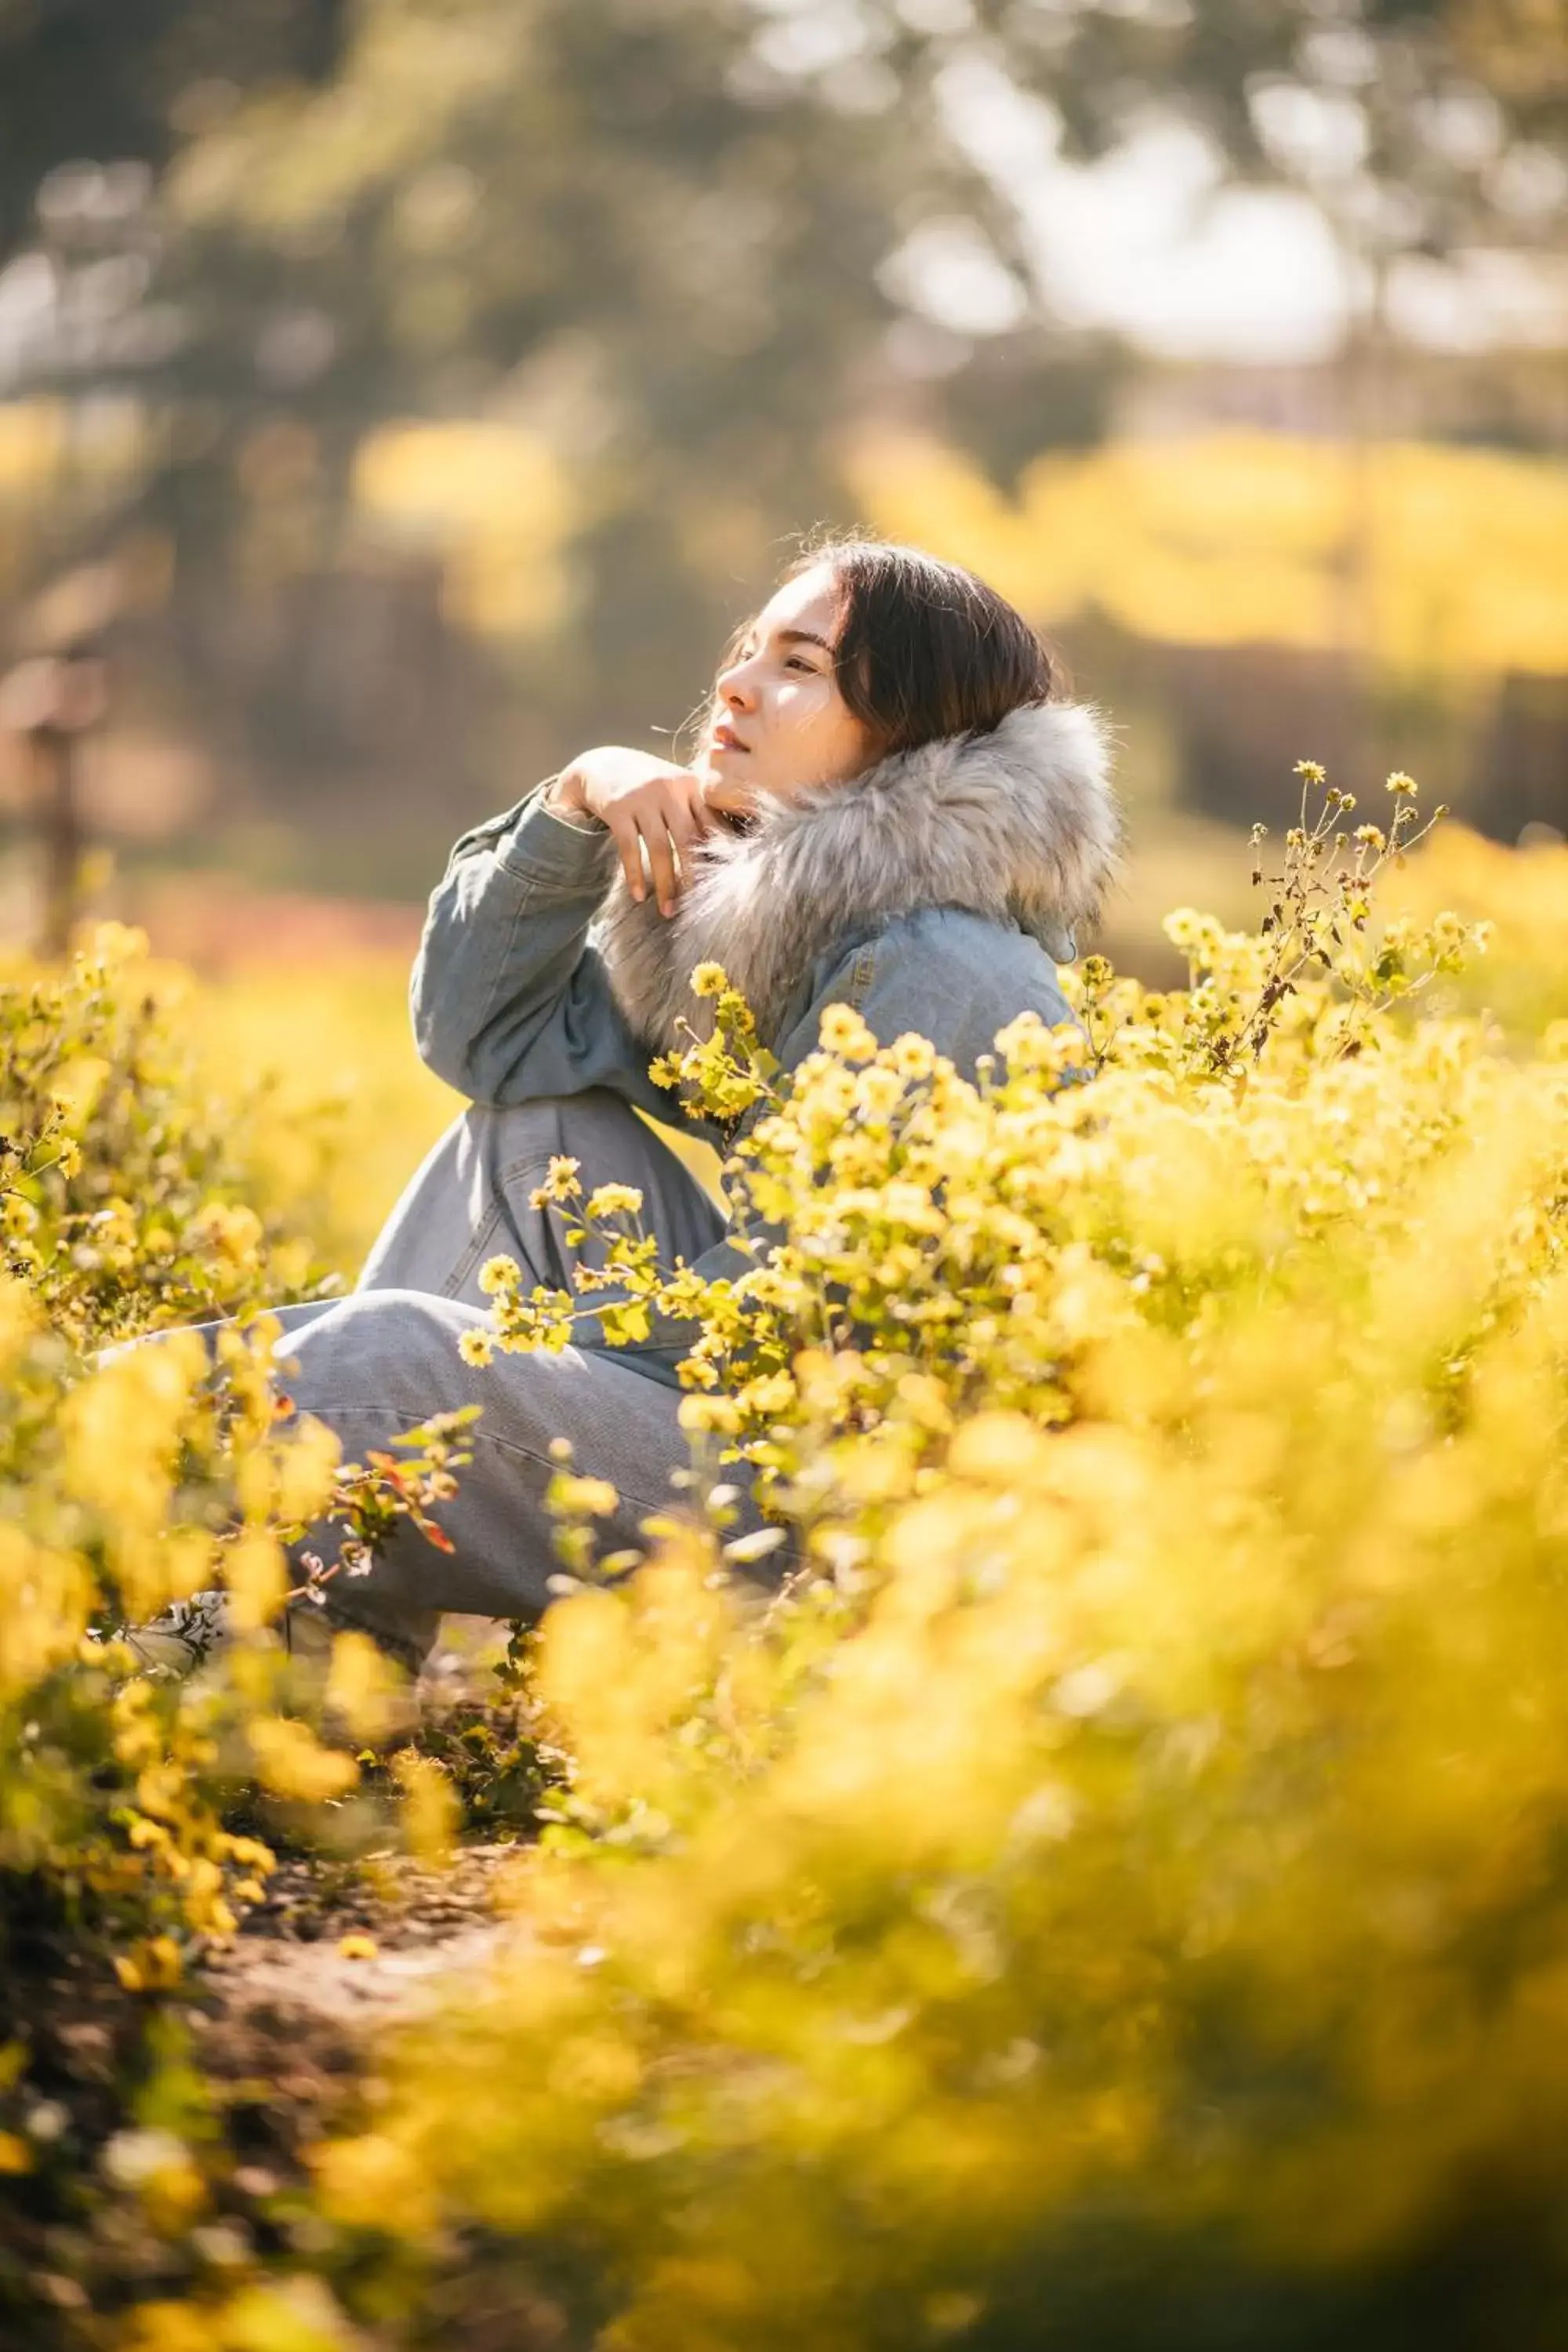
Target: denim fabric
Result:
[[512, 1005], [511, 1002], [377, 1363], [469, 1198]]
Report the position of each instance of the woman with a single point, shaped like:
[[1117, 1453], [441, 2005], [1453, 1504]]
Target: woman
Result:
[[888, 809]]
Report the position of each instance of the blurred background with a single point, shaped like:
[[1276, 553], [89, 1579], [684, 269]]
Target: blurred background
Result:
[[397, 396]]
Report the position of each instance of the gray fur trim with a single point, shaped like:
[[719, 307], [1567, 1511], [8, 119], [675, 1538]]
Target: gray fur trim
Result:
[[1019, 825]]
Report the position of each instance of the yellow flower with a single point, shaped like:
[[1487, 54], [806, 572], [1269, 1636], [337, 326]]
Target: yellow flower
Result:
[[431, 1807], [292, 1763], [843, 1032], [1402, 785], [356, 1947], [717, 1415], [476, 1347], [595, 1496], [710, 980], [771, 1392], [498, 1274], [232, 1229], [560, 1182], [911, 1055], [878, 1092], [364, 2179], [614, 1201]]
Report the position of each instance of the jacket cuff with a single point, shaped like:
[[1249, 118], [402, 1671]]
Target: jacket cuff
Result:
[[541, 846]]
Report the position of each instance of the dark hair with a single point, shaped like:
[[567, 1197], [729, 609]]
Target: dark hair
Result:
[[924, 648]]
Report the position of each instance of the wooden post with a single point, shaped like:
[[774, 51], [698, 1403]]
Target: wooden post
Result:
[[51, 701], [54, 748]]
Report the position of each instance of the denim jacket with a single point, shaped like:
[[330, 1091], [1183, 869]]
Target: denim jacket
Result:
[[937, 894]]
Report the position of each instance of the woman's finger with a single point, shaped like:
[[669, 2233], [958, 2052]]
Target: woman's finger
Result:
[[655, 832], [669, 820], [628, 842], [685, 826], [687, 836]]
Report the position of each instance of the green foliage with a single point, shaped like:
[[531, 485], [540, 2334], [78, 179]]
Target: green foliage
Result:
[[1125, 1859], [1111, 1892], [129, 1193], [134, 1197]]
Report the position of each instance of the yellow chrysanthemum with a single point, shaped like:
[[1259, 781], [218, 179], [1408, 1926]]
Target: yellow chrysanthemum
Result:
[[614, 1201], [843, 1032]]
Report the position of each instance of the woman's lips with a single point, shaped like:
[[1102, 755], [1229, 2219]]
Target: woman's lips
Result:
[[724, 739]]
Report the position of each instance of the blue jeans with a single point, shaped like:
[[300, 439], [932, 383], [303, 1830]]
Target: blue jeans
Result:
[[384, 1358]]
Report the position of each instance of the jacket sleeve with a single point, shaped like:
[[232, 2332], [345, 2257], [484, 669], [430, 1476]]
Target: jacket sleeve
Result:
[[510, 1002], [939, 973]]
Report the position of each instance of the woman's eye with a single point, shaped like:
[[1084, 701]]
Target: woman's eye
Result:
[[794, 662]]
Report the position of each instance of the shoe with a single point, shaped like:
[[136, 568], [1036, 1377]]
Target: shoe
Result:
[[181, 1637], [186, 1634]]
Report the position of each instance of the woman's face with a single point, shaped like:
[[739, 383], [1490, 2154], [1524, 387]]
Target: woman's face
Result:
[[778, 722]]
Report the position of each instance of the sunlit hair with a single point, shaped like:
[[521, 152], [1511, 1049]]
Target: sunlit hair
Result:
[[924, 648]]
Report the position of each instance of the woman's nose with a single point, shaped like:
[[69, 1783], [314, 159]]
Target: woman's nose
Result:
[[735, 686]]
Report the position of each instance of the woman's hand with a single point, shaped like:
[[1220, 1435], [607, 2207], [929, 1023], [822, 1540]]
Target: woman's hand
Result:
[[646, 803]]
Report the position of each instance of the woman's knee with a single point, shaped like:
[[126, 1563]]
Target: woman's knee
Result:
[[393, 1350]]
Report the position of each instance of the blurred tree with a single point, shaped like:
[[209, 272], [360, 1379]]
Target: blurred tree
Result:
[[695, 233], [95, 99], [633, 224], [94, 80], [687, 239]]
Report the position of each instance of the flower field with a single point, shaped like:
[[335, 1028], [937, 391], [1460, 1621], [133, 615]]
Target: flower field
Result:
[[1094, 1874]]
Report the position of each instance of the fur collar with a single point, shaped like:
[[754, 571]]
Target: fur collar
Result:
[[1019, 825]]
